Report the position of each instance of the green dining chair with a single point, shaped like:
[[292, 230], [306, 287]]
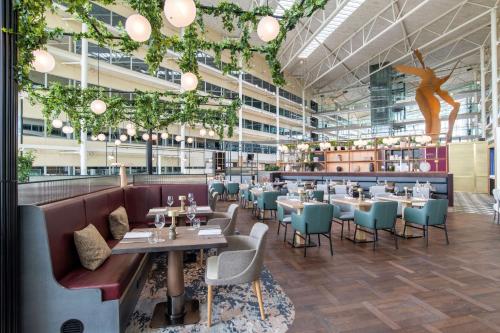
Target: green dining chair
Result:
[[318, 195], [284, 215], [433, 214], [220, 189], [315, 219], [232, 189], [267, 201], [381, 216]]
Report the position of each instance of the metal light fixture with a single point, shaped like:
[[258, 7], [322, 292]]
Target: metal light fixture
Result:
[[98, 106], [180, 13], [138, 28], [118, 142], [145, 136], [211, 133], [68, 129], [164, 135], [203, 132], [93, 138], [154, 137], [123, 137], [131, 131], [190, 140], [44, 62], [178, 138], [101, 137]]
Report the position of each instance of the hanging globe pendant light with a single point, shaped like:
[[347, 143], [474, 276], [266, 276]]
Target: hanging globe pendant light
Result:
[[68, 129], [123, 137], [268, 28], [44, 62], [57, 123], [98, 106], [189, 81], [138, 28], [180, 13]]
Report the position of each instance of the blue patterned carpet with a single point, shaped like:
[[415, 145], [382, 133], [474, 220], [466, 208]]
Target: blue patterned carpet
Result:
[[235, 308]]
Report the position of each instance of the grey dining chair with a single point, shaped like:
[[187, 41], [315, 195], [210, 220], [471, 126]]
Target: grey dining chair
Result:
[[241, 262], [226, 220], [214, 197]]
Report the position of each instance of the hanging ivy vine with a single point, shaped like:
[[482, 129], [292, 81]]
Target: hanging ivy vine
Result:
[[151, 110]]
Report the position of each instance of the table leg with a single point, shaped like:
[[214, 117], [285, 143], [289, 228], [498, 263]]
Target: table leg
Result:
[[176, 310]]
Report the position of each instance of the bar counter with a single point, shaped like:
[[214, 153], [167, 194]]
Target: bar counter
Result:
[[441, 181]]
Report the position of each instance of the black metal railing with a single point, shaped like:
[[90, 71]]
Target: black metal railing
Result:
[[45, 191], [174, 178]]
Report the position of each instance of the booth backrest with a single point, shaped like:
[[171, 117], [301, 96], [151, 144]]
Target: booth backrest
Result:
[[64, 217], [200, 192]]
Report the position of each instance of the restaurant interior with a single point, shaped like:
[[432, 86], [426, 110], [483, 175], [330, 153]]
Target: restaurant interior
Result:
[[249, 166]]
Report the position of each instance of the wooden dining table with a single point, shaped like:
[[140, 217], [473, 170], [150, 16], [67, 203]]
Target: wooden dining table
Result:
[[405, 203], [203, 211], [177, 309]]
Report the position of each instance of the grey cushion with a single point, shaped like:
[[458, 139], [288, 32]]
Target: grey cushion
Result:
[[346, 216], [287, 219]]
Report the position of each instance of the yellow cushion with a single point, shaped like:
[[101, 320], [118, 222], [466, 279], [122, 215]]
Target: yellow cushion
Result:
[[118, 223], [91, 247]]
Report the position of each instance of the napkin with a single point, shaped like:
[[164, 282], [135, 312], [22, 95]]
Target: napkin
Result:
[[209, 232], [137, 234]]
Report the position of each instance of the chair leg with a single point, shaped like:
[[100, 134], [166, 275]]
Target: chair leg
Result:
[[284, 238], [427, 235], [342, 230], [375, 238], [319, 241], [495, 216], [395, 237], [259, 298], [446, 234], [293, 238], [279, 224], [331, 245], [355, 232], [209, 306]]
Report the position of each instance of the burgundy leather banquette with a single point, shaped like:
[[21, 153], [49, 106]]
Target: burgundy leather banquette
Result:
[[119, 274]]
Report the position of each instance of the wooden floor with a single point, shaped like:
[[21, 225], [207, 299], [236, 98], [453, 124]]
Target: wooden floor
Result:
[[441, 288]]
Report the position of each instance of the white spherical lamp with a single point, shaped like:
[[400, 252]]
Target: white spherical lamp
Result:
[[154, 137], [57, 123], [138, 28], [131, 131], [98, 106], [211, 133], [101, 137], [68, 129], [164, 135], [123, 137], [203, 132], [180, 13], [93, 138], [189, 81], [190, 140], [44, 62], [178, 138], [118, 142], [145, 136], [268, 28], [129, 126]]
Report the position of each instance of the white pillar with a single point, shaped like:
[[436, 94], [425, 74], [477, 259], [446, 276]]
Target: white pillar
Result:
[[84, 69], [158, 165], [240, 122], [183, 149], [277, 122], [303, 113], [494, 89], [483, 92]]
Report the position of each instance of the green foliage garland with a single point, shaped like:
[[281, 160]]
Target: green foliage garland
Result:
[[151, 110]]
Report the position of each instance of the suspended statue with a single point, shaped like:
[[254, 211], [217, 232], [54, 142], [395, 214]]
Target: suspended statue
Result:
[[429, 105]]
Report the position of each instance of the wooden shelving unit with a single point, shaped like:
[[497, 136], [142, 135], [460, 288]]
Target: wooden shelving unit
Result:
[[351, 160]]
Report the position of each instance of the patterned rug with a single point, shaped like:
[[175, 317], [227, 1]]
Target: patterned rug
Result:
[[475, 203], [235, 308]]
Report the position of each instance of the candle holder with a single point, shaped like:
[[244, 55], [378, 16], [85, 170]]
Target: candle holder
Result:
[[182, 198], [172, 232]]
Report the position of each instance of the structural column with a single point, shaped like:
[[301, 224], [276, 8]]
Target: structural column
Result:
[[9, 228], [303, 114], [240, 116], [84, 69], [483, 92], [183, 149], [494, 89], [277, 123]]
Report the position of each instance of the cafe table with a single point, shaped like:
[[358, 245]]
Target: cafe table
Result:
[[405, 202], [177, 309]]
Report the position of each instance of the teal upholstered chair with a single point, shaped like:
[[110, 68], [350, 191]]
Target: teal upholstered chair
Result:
[[219, 188], [284, 215], [232, 189], [318, 195], [433, 214], [381, 216], [316, 219], [346, 215], [267, 201]]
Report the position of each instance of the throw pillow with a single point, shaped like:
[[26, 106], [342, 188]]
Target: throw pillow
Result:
[[118, 223], [91, 247]]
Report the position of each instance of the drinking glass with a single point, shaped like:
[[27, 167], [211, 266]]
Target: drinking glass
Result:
[[193, 204], [159, 224], [170, 201], [190, 197], [196, 223], [191, 214]]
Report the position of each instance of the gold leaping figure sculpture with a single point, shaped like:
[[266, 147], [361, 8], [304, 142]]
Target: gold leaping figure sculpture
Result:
[[429, 105]]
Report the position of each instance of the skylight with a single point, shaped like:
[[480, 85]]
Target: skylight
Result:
[[282, 6], [327, 30]]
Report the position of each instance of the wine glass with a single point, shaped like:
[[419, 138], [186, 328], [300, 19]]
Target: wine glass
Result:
[[159, 224], [170, 201], [190, 197], [191, 214], [311, 195], [196, 223], [193, 204]]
